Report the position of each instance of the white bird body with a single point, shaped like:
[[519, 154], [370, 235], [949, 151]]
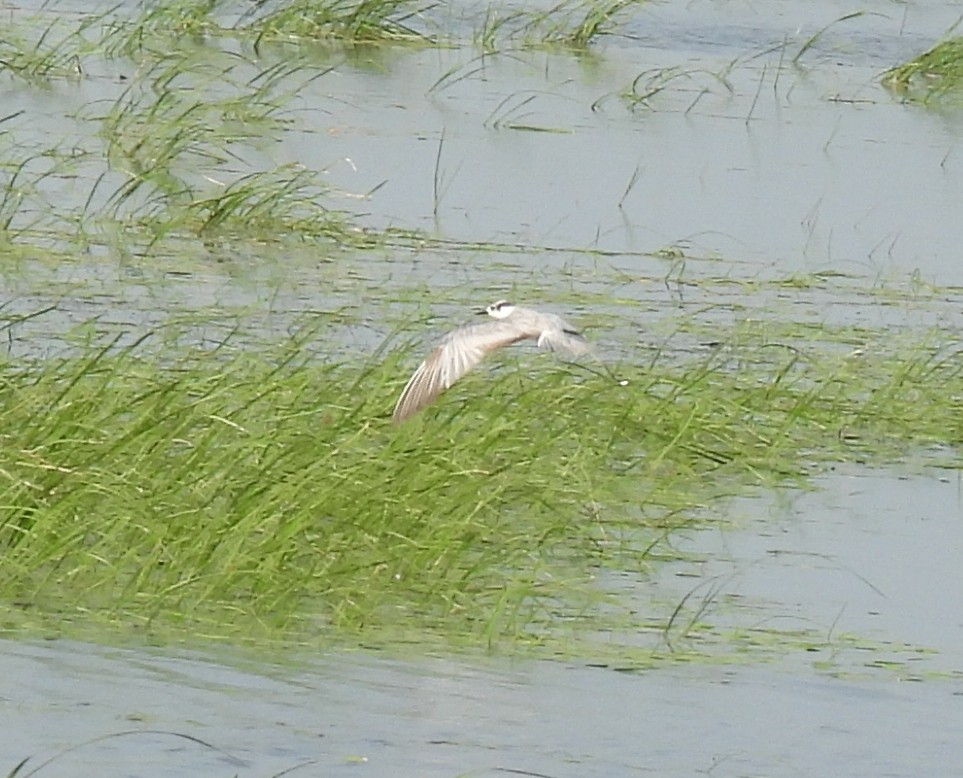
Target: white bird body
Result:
[[461, 349]]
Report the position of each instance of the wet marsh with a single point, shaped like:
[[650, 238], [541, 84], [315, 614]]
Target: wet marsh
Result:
[[264, 489], [230, 233]]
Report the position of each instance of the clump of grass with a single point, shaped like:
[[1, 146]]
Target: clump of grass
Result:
[[275, 488], [38, 51], [583, 23], [160, 24], [934, 74], [571, 23], [215, 491], [344, 21], [163, 126], [178, 143], [177, 151], [286, 199]]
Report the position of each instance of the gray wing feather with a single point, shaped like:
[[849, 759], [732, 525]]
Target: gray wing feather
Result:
[[458, 353], [564, 340]]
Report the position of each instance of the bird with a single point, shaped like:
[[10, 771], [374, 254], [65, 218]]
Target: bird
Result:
[[463, 348]]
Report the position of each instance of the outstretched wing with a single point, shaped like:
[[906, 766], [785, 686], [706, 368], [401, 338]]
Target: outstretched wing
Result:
[[457, 353], [564, 339]]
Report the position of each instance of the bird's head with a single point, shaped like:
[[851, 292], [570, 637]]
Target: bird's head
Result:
[[500, 310]]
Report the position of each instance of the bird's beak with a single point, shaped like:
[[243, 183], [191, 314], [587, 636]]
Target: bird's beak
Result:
[[481, 312]]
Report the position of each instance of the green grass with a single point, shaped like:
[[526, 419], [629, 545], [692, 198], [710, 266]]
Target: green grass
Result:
[[159, 27], [573, 24], [159, 133], [569, 23], [237, 492], [934, 75], [343, 21], [184, 493], [168, 161], [182, 150], [45, 47], [310, 21], [39, 50], [647, 85]]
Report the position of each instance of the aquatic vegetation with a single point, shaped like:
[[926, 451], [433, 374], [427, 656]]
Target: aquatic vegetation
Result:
[[933, 75], [24, 769], [324, 21], [27, 175], [158, 139], [159, 26], [583, 24], [287, 199], [570, 23], [179, 489], [813, 39], [649, 84], [345, 21], [172, 160], [185, 144], [230, 491], [161, 123], [39, 50]]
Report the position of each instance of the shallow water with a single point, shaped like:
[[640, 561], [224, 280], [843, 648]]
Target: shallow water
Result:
[[850, 590], [751, 166], [744, 156], [869, 553], [797, 167]]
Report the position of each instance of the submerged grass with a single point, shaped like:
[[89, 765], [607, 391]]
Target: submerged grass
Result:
[[190, 492], [40, 50]]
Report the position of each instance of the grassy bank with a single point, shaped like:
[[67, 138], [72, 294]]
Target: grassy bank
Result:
[[188, 494]]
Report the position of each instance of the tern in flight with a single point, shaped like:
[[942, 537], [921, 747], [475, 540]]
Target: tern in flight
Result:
[[461, 349]]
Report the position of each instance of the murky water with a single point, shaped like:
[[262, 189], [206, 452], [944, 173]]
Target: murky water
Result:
[[347, 714], [866, 553], [797, 167], [872, 554], [755, 168]]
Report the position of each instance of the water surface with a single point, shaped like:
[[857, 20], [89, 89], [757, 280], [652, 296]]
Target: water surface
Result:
[[831, 629]]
